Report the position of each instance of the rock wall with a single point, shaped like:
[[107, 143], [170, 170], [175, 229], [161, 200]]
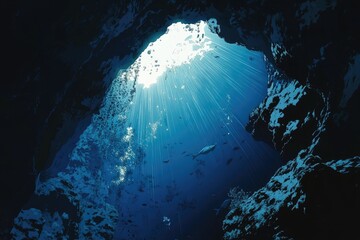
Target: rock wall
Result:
[[315, 195]]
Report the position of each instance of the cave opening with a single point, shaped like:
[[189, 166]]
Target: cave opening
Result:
[[193, 90], [168, 144]]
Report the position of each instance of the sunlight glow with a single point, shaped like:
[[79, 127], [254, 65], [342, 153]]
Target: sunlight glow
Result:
[[179, 45], [192, 88], [199, 77]]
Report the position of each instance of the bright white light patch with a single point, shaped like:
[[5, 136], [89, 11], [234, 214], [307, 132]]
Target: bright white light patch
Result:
[[179, 45], [122, 174], [129, 134]]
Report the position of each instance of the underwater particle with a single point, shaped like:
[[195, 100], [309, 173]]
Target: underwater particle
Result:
[[141, 187], [199, 173], [187, 204], [200, 162], [228, 98], [65, 216], [166, 221], [154, 127]]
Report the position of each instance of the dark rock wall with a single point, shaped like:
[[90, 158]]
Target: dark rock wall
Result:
[[305, 199], [54, 78], [310, 116]]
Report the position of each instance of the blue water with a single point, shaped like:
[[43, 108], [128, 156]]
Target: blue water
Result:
[[192, 106], [132, 166]]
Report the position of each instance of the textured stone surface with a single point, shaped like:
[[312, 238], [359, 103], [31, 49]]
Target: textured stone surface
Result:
[[289, 117], [305, 199]]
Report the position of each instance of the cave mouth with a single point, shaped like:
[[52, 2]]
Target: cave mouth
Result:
[[136, 169], [193, 89], [179, 45]]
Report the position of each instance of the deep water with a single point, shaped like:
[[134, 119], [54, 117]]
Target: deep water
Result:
[[195, 105], [135, 171]]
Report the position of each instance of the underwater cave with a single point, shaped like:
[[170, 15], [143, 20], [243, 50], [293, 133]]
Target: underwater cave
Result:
[[181, 120]]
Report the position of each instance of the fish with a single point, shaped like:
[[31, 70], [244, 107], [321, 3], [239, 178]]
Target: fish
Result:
[[166, 161], [236, 148], [187, 204], [225, 205], [205, 150]]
